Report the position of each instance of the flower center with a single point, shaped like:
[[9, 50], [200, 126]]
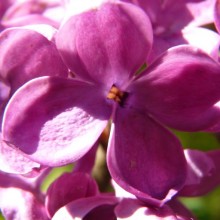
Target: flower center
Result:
[[117, 95]]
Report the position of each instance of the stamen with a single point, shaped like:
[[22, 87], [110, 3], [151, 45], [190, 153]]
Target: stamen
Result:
[[116, 94]]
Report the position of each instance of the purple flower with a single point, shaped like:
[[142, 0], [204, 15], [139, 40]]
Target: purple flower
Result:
[[180, 23], [24, 54], [55, 121], [83, 201], [217, 15], [21, 197], [202, 172], [28, 12], [67, 188]]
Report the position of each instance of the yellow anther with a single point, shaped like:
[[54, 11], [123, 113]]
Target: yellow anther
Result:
[[115, 94]]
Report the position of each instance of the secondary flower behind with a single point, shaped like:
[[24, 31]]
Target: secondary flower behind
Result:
[[62, 118]]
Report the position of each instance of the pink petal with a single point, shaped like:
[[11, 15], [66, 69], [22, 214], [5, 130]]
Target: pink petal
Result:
[[4, 93], [58, 117], [180, 210], [180, 89], [217, 15], [74, 186], [14, 161], [29, 20], [204, 39], [106, 44], [141, 157], [203, 172], [130, 209], [16, 203], [80, 208], [87, 162], [39, 57], [169, 17]]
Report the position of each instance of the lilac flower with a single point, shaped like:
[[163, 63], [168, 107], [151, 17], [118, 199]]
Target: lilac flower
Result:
[[3, 7], [19, 13], [202, 172], [39, 55], [67, 188], [25, 54], [58, 120], [180, 23], [83, 201], [21, 197]]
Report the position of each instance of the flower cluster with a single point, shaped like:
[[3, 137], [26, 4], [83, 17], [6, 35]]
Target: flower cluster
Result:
[[78, 76]]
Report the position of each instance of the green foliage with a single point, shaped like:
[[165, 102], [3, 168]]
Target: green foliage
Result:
[[54, 174], [198, 140]]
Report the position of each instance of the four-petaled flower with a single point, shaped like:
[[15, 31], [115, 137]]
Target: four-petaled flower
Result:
[[56, 120]]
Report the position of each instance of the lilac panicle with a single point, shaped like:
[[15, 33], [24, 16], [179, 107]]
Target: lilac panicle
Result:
[[63, 118]]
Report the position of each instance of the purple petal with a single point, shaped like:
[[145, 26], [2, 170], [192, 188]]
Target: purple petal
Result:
[[204, 39], [217, 15], [140, 157], [180, 89], [180, 210], [87, 162], [29, 20], [88, 208], [14, 161], [58, 117], [16, 203], [26, 54], [4, 92], [21, 198], [67, 188], [107, 44], [203, 172], [201, 11], [3, 7], [169, 17], [134, 209]]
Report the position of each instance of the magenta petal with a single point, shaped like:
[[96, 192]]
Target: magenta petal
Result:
[[203, 172], [29, 20], [129, 209], [26, 54], [14, 161], [204, 39], [4, 92], [169, 17], [180, 210], [141, 157], [74, 186], [87, 162], [16, 203], [180, 89], [217, 15], [21, 198], [106, 44], [57, 117], [82, 208]]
